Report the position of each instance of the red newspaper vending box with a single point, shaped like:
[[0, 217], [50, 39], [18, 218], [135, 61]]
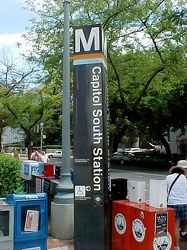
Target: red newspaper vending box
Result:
[[152, 228], [121, 225], [49, 170], [147, 227]]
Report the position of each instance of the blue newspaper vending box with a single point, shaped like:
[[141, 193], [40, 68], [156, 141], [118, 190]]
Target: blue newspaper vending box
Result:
[[6, 225], [30, 220], [29, 167]]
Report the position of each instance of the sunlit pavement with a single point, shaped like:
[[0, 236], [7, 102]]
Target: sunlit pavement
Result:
[[54, 244], [60, 245], [183, 245]]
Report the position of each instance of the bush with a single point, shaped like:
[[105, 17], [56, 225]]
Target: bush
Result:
[[10, 175]]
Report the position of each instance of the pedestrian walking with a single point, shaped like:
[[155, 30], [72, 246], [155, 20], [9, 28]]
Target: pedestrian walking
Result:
[[183, 227], [177, 197]]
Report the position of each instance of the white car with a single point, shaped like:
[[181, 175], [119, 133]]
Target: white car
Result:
[[56, 154]]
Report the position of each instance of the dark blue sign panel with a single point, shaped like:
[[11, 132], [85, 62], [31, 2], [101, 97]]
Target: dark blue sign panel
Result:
[[91, 164], [46, 186]]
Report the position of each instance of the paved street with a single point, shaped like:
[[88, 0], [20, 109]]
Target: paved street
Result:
[[132, 173]]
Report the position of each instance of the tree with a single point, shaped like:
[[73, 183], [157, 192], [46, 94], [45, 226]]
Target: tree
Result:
[[14, 79], [26, 112], [52, 117], [183, 146], [146, 47]]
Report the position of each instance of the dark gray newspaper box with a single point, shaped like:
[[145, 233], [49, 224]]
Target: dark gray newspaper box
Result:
[[91, 160]]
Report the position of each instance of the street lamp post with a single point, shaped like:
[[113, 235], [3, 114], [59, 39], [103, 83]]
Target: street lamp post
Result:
[[63, 225], [65, 187], [41, 135]]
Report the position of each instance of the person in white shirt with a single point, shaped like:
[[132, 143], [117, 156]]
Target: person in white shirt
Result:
[[177, 198], [183, 231], [44, 157]]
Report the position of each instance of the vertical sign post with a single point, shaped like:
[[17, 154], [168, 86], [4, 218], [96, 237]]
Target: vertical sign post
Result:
[[91, 161]]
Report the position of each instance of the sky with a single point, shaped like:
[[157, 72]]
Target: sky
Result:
[[13, 20]]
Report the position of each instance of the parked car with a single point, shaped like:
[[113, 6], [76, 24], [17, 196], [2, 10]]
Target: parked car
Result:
[[122, 158], [133, 150], [153, 160], [56, 154]]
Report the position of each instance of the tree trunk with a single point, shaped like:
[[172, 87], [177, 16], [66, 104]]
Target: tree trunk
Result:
[[116, 138], [115, 144], [28, 143], [166, 145]]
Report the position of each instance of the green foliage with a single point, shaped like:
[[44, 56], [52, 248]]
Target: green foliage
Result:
[[27, 110], [146, 58], [183, 146], [53, 117], [10, 175]]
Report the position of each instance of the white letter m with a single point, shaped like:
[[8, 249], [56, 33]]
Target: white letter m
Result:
[[94, 36]]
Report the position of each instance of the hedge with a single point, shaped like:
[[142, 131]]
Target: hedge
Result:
[[10, 175]]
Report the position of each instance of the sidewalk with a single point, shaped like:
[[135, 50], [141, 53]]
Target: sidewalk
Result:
[[55, 244]]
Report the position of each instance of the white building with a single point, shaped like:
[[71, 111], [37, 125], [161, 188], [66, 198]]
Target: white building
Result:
[[174, 140], [11, 135]]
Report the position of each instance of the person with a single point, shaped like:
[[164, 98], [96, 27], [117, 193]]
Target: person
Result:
[[15, 153], [183, 231], [177, 197], [26, 151], [36, 156], [44, 157]]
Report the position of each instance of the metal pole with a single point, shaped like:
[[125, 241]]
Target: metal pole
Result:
[[41, 135], [65, 187], [66, 93]]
